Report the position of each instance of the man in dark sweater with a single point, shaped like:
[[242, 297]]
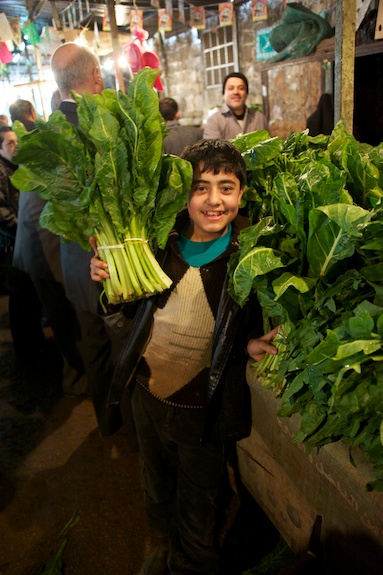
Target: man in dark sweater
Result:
[[178, 136], [77, 69]]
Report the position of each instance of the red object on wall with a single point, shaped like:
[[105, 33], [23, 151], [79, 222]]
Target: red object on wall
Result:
[[139, 55], [5, 54]]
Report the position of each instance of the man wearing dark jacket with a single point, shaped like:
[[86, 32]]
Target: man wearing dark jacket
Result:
[[178, 136], [24, 305], [37, 252], [76, 69]]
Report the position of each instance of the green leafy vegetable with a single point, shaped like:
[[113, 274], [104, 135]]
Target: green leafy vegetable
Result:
[[314, 256], [55, 565], [109, 178]]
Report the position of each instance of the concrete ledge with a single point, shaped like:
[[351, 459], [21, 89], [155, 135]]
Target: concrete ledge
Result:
[[293, 487]]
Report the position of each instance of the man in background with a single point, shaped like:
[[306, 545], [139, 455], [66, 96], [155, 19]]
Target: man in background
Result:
[[76, 69], [37, 252], [24, 112], [23, 304], [179, 136], [234, 117]]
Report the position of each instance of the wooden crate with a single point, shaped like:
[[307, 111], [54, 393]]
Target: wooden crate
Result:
[[293, 487]]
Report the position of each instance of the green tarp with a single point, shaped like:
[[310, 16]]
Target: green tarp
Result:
[[298, 33]]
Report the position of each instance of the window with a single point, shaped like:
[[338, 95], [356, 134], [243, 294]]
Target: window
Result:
[[220, 55]]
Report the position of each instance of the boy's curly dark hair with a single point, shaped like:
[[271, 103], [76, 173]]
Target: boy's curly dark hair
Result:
[[216, 155]]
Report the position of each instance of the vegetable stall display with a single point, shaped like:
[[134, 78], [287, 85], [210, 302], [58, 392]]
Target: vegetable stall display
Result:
[[314, 256], [109, 179]]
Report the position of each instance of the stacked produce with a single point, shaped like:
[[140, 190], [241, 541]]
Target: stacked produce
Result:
[[108, 178], [314, 256]]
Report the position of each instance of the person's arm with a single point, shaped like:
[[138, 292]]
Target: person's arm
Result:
[[259, 347]]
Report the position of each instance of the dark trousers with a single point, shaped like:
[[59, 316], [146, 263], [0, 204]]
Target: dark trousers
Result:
[[66, 331], [24, 314], [182, 482], [102, 346]]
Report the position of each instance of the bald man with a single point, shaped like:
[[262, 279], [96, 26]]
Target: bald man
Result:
[[77, 69]]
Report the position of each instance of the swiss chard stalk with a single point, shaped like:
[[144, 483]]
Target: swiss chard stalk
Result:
[[109, 178]]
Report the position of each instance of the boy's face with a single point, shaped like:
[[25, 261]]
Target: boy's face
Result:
[[213, 203]]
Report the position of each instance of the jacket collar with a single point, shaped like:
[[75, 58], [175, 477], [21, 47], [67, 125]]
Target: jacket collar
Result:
[[226, 111]]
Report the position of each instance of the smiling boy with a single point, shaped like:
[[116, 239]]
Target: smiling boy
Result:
[[186, 358]]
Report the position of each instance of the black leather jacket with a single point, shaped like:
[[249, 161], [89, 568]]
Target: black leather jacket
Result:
[[228, 414]]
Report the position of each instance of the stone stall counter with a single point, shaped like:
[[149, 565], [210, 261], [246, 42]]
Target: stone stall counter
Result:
[[293, 487]]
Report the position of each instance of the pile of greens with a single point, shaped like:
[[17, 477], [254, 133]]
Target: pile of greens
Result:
[[314, 257], [108, 178]]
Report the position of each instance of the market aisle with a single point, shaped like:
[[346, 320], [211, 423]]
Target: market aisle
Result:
[[54, 465]]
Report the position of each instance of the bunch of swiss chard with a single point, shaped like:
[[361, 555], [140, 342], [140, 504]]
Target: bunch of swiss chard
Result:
[[109, 179], [314, 257]]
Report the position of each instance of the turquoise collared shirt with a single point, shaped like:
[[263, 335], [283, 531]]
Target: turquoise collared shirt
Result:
[[197, 254]]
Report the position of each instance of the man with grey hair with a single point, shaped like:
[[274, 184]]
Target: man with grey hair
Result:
[[76, 70]]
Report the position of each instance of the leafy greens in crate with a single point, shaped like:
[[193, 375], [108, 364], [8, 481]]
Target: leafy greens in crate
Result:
[[314, 256]]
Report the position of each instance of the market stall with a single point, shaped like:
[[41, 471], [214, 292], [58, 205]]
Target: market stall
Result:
[[295, 487]]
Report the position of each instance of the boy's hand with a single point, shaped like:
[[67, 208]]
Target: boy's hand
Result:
[[257, 348], [98, 268]]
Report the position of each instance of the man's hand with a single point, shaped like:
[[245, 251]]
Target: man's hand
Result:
[[257, 348]]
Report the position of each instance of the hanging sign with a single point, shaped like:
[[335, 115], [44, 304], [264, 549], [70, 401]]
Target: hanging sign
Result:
[[226, 13], [259, 10], [197, 17], [264, 49], [136, 19], [16, 30], [5, 29], [31, 34], [5, 54], [164, 21]]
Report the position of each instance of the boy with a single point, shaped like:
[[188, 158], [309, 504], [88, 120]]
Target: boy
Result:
[[186, 359]]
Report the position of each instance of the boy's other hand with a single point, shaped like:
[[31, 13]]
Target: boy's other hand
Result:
[[257, 348], [98, 268]]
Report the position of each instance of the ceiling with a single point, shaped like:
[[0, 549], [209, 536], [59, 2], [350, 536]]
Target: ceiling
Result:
[[42, 12]]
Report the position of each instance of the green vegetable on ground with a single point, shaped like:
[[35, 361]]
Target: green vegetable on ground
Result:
[[108, 178], [314, 256], [55, 565]]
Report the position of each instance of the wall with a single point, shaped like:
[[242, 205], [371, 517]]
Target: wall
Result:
[[182, 74], [182, 61]]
